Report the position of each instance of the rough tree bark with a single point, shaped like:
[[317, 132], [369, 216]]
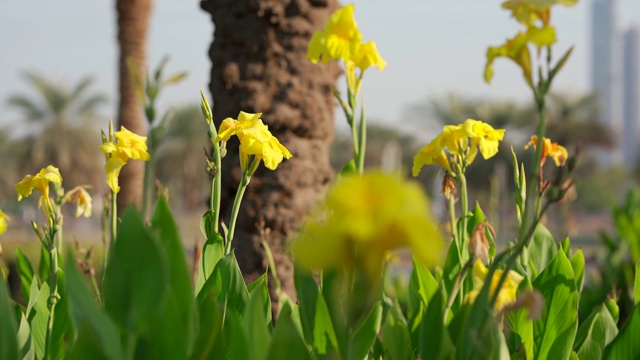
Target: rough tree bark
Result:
[[259, 64], [133, 25]]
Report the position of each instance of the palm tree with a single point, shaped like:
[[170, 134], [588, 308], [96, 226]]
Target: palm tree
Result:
[[64, 133], [180, 157], [133, 25], [260, 65]]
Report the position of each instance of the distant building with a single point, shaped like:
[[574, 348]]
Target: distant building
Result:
[[631, 97], [605, 70]]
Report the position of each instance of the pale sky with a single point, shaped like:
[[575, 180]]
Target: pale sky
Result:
[[433, 47]]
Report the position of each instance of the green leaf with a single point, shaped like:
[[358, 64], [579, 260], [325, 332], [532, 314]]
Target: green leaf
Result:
[[8, 327], [287, 340], [555, 331], [626, 344], [577, 263], [38, 316], [98, 336], [176, 78], [636, 285], [521, 334], [255, 321], [435, 342], [24, 339], [542, 250], [136, 277], [395, 334], [595, 333], [63, 330], [210, 337], [422, 288], [172, 333], [212, 252], [229, 285], [44, 267], [349, 168], [365, 334], [26, 273]]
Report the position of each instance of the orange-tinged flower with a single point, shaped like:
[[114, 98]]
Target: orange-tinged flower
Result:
[[40, 182], [557, 152], [83, 200], [362, 219]]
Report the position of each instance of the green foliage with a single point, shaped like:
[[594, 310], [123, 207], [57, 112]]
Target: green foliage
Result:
[[8, 327]]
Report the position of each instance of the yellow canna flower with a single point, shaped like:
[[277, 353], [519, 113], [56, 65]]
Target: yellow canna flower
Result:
[[517, 50], [362, 219], [40, 182], [339, 39], [508, 291], [528, 12], [461, 142], [3, 222], [255, 139], [83, 201], [119, 151], [557, 152], [367, 55]]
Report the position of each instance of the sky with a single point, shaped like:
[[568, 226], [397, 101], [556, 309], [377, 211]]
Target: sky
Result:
[[432, 47]]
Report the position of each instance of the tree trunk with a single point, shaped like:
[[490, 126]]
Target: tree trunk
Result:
[[133, 24], [260, 65]]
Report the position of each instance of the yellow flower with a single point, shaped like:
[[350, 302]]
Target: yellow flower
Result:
[[367, 55], [255, 139], [462, 142], [517, 50], [362, 219], [557, 152], [339, 39], [508, 291], [126, 146], [528, 12], [3, 222], [40, 182], [81, 197]]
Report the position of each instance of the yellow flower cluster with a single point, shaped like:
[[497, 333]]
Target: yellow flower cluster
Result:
[[362, 219], [341, 40], [557, 152], [3, 222], [119, 151], [508, 291], [255, 139], [461, 141], [40, 182], [535, 16]]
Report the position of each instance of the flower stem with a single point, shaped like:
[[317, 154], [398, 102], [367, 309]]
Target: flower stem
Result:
[[236, 208], [53, 297], [362, 140], [114, 221], [216, 186]]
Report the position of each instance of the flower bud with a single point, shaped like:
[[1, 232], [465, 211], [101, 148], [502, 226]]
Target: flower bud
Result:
[[479, 243], [448, 186], [533, 301]]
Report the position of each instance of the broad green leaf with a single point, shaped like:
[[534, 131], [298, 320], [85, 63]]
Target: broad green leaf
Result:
[[212, 252], [63, 330], [626, 344], [44, 267], [24, 339], [555, 331], [287, 340], [542, 250], [260, 288], [395, 334], [577, 263], [255, 322], [435, 342], [595, 333], [365, 333], [422, 288], [636, 285], [172, 332], [38, 316], [98, 336], [135, 281], [206, 227], [210, 337], [8, 328], [229, 285], [235, 341], [26, 273]]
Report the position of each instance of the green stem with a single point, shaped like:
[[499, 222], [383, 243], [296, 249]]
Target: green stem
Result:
[[362, 140], [53, 297], [114, 221], [464, 203], [236, 208], [146, 185], [105, 234], [216, 187], [457, 285], [454, 228]]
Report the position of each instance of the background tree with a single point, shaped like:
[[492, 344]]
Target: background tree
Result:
[[260, 65], [61, 117], [133, 25]]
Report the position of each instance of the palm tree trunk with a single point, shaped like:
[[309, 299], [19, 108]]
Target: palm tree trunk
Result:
[[133, 24], [260, 65]]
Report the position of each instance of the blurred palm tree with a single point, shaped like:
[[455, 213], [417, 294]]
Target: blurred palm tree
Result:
[[63, 134], [180, 157]]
